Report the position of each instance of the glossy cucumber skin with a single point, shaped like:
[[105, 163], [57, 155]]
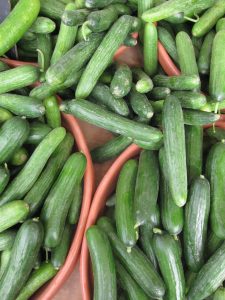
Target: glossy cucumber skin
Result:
[[11, 34], [210, 276], [24, 254], [74, 211], [170, 264], [13, 134], [125, 222], [40, 189], [205, 54], [103, 264], [121, 83], [135, 262], [38, 132], [34, 166], [146, 188], [37, 278], [175, 152], [150, 50], [52, 112], [140, 104], [7, 238], [4, 177], [199, 118], [57, 204]]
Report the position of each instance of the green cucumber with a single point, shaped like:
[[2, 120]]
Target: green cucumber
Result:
[[10, 33], [213, 243], [106, 77], [199, 118], [170, 264], [44, 49], [13, 134], [4, 115], [196, 223], [144, 5], [3, 66], [130, 41], [205, 54], [144, 83], [168, 41], [19, 157], [122, 9], [4, 177], [52, 112], [193, 100], [43, 25], [103, 55], [52, 9], [74, 211], [37, 278], [125, 222], [59, 253], [23, 182], [37, 194], [75, 17], [28, 45], [146, 188], [220, 25], [5, 257], [93, 4], [98, 116], [150, 49], [57, 204], [103, 264], [175, 153], [24, 254], [7, 239], [178, 83], [159, 93], [219, 294], [217, 133], [135, 262], [121, 82], [140, 104], [38, 132]]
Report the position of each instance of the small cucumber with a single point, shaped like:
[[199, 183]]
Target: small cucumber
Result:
[[74, 211], [4, 115], [144, 83], [205, 54], [213, 243], [121, 83], [38, 132], [140, 104], [220, 25], [4, 177], [75, 17], [7, 239], [125, 222], [43, 25], [52, 112], [159, 93], [44, 49], [103, 264], [199, 118], [19, 157], [193, 100], [52, 9], [178, 83], [168, 41], [150, 50]]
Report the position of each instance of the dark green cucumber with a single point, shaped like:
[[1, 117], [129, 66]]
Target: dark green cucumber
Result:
[[103, 55], [171, 214], [148, 145], [110, 149], [143, 83], [22, 105], [19, 157], [28, 45], [210, 277], [57, 204], [106, 77], [75, 17], [175, 152], [5, 257], [219, 294], [170, 264], [146, 188], [37, 278], [213, 243], [7, 239], [140, 104], [122, 8], [52, 9], [96, 115], [59, 253], [204, 58], [103, 95], [121, 83], [159, 93], [196, 223], [43, 25], [74, 211], [101, 3], [199, 118], [24, 254], [178, 83], [125, 221], [133, 290], [44, 49], [217, 74], [38, 132], [135, 262], [11, 34], [13, 134], [220, 25], [4, 177], [150, 49], [193, 100], [37, 194], [217, 133], [168, 41], [52, 112], [23, 182], [4, 115], [103, 264]]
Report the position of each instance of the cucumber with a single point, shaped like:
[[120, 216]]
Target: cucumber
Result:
[[4, 177], [106, 77], [22, 105], [205, 54], [75, 17], [194, 151], [52, 9], [73, 60], [193, 100], [52, 112], [10, 33], [38, 132], [210, 277], [43, 25], [37, 278], [178, 83], [121, 83], [217, 133], [158, 93], [212, 106], [196, 223], [213, 243], [128, 284], [29, 36], [98, 116], [28, 45], [57, 204], [101, 3], [172, 216], [59, 253], [19, 157], [13, 134], [220, 25], [66, 38], [144, 83], [102, 94], [175, 153], [5, 258], [3, 66], [208, 20], [44, 49], [13, 213], [125, 222], [146, 188], [219, 294], [122, 9], [135, 262], [140, 104], [168, 41], [74, 211], [103, 55], [103, 264], [150, 50], [24, 254], [7, 238], [217, 74], [216, 177], [170, 264], [199, 118], [37, 194], [130, 41], [23, 182], [4, 115]]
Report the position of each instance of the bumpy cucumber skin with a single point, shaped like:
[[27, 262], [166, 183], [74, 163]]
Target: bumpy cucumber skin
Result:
[[205, 54], [121, 83]]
